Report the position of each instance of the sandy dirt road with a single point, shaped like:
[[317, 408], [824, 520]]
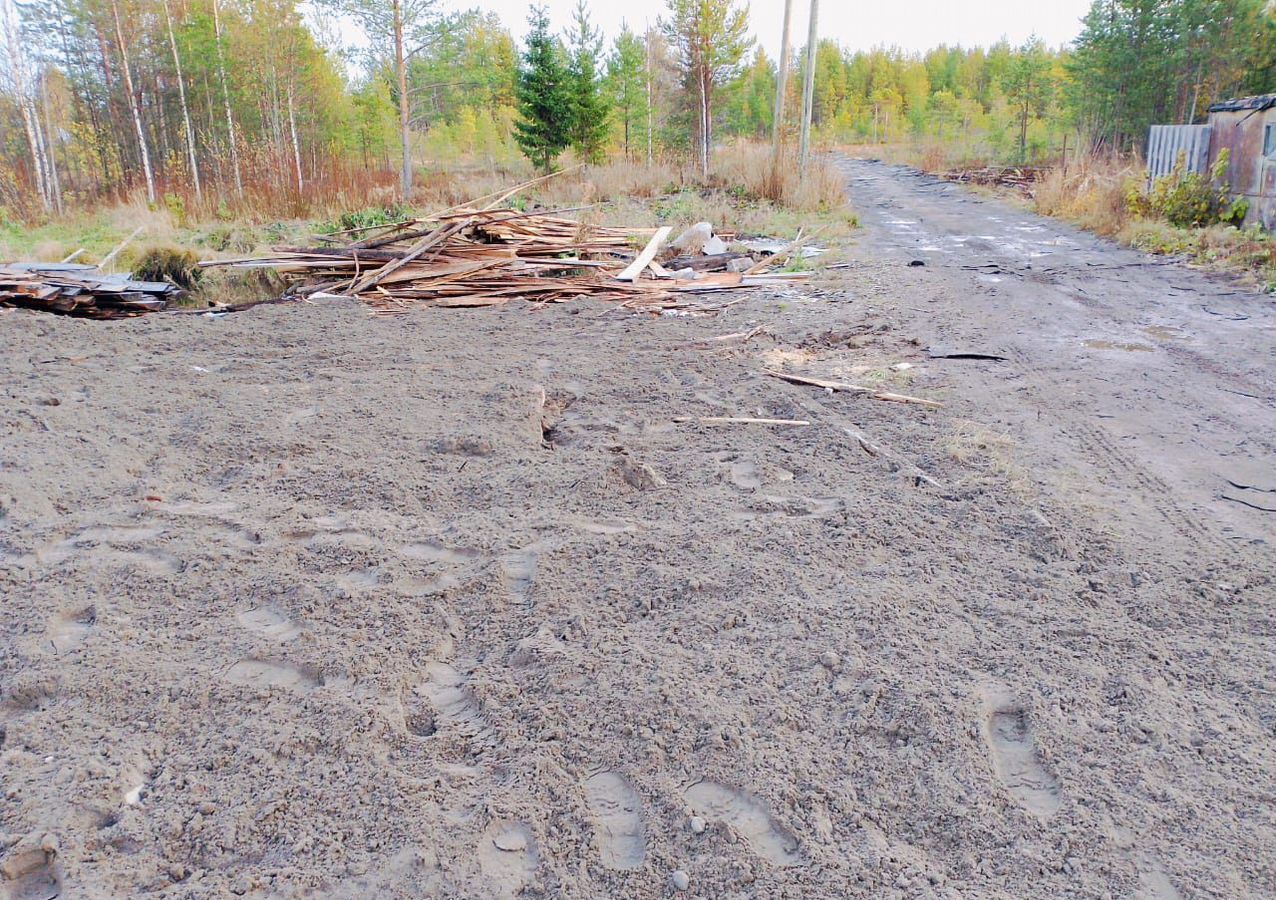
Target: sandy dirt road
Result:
[[303, 603]]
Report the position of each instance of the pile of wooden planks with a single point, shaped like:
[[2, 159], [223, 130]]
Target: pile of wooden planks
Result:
[[76, 289], [473, 256], [1020, 178]]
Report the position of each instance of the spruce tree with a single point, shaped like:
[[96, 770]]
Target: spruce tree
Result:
[[544, 96], [590, 105], [627, 80]]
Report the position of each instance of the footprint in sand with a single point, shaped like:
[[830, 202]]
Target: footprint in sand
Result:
[[120, 534], [748, 816], [197, 510], [519, 569], [266, 673], [67, 630], [601, 526], [29, 872], [744, 475], [617, 814], [454, 703], [507, 855], [156, 562], [269, 622], [431, 551], [1014, 753], [1155, 884]]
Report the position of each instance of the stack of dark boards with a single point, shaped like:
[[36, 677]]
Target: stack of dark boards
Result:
[[77, 289]]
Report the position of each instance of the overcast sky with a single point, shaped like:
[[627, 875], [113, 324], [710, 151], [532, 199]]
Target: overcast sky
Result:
[[856, 24]]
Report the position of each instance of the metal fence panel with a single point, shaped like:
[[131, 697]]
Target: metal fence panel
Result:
[[1167, 142]]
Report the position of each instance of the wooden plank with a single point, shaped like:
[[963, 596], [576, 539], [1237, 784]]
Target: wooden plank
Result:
[[634, 269]]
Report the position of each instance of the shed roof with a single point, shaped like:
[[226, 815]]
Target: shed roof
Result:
[[1262, 101]]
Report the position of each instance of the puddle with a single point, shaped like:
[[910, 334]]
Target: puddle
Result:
[[1163, 332], [1118, 345]]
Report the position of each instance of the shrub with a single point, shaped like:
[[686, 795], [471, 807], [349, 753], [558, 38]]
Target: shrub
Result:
[[369, 218], [1190, 199], [169, 264]]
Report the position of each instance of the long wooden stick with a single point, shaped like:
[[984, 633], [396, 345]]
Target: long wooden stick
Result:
[[122, 244], [738, 420], [634, 269], [526, 184], [852, 388]]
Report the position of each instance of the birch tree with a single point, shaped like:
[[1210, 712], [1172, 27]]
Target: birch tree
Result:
[[134, 104], [17, 84], [230, 119], [186, 113]]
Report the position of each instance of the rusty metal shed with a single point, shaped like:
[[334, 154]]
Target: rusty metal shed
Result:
[[1246, 127]]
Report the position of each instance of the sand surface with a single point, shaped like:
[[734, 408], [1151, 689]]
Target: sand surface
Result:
[[302, 603]]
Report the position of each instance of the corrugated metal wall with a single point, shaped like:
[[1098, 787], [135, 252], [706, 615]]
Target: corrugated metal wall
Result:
[[1166, 142]]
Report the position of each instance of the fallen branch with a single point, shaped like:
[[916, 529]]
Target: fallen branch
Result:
[[853, 389]]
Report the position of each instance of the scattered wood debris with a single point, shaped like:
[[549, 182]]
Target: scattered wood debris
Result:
[[77, 289], [471, 256]]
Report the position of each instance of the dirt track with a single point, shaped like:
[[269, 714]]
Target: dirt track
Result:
[[303, 603]]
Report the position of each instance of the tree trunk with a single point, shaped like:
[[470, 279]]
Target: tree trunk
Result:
[[230, 120], [781, 85], [1023, 134], [405, 136], [808, 92], [186, 113], [649, 109], [55, 181], [133, 106], [704, 120], [296, 147], [25, 107]]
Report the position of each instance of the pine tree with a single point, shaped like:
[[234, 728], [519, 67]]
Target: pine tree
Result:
[[591, 108], [543, 95], [709, 39], [1028, 87]]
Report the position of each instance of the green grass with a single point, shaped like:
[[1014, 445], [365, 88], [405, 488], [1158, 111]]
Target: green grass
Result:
[[1250, 252]]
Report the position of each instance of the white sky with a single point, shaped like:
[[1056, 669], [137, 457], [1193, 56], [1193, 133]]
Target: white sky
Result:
[[858, 25]]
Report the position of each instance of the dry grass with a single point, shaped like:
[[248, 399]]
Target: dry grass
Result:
[[747, 168], [1091, 193]]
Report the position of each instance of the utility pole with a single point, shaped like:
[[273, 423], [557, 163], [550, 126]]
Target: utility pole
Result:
[[808, 93], [781, 87]]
